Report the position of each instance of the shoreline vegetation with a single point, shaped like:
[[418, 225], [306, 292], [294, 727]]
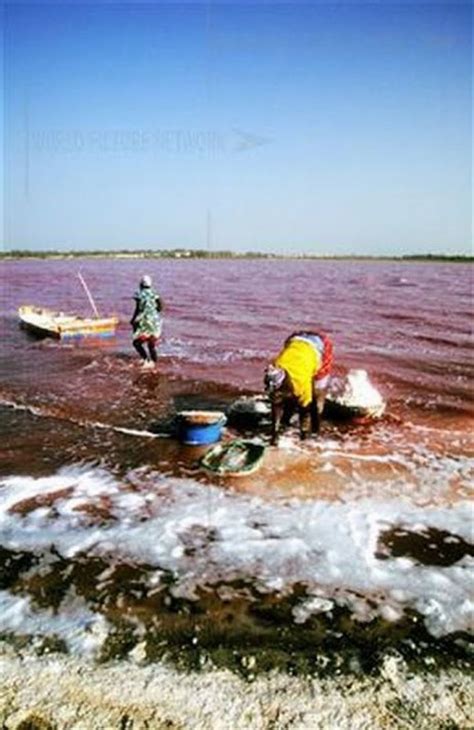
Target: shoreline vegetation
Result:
[[189, 253]]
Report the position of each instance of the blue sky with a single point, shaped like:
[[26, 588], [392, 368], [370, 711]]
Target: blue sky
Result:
[[322, 128]]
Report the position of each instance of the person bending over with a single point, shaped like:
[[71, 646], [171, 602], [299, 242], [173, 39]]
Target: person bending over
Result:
[[146, 322], [297, 381]]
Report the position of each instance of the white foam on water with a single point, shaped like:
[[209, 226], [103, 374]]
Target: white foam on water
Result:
[[329, 546], [45, 413], [211, 353]]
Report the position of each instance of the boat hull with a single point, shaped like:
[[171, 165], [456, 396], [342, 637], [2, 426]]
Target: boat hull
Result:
[[46, 323]]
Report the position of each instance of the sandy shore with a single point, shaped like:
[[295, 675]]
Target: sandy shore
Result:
[[57, 692]]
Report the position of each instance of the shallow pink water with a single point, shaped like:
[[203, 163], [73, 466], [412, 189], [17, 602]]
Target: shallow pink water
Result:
[[408, 324]]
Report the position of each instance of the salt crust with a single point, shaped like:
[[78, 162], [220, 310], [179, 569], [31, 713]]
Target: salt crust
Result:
[[356, 390], [330, 547]]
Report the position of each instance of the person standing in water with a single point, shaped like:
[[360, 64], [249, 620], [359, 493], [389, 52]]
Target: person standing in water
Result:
[[147, 322]]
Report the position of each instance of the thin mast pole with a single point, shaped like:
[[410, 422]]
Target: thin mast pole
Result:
[[86, 289]]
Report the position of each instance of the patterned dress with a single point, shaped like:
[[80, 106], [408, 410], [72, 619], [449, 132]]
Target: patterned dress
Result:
[[148, 321]]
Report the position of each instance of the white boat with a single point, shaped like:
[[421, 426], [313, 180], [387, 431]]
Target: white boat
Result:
[[59, 325]]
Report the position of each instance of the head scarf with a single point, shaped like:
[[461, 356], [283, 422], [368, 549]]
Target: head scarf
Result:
[[274, 378], [145, 281]]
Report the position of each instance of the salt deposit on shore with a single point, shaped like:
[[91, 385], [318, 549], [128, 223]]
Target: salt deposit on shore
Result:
[[205, 536], [357, 391], [46, 692]]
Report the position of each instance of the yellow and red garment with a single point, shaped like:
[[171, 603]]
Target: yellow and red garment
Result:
[[301, 361]]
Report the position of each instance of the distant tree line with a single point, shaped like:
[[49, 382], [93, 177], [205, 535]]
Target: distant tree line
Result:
[[435, 257], [141, 253], [189, 253]]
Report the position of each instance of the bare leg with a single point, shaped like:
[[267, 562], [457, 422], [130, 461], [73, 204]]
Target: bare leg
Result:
[[152, 351], [138, 345], [276, 418], [305, 421], [319, 398], [315, 417], [289, 407]]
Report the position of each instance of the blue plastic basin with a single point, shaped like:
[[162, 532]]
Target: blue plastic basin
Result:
[[195, 433]]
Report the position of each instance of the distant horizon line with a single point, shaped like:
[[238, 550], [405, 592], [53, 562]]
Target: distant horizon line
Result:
[[219, 254]]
